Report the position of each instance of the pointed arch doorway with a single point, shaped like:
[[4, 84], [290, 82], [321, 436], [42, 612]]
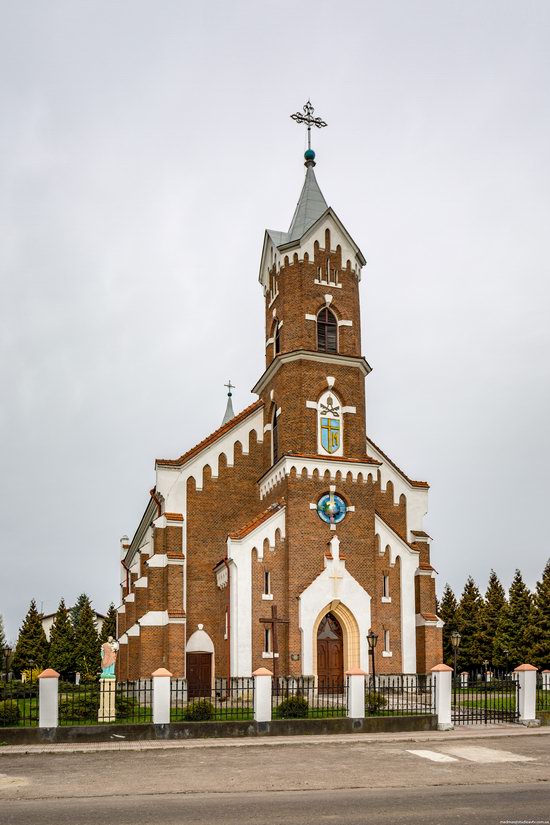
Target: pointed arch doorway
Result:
[[330, 655]]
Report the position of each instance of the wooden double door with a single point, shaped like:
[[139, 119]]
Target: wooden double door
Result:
[[199, 675], [330, 655]]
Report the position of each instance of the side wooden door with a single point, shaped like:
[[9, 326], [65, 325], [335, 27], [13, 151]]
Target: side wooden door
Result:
[[199, 675]]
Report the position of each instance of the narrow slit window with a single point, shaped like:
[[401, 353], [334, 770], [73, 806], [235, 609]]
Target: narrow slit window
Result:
[[267, 583], [267, 640], [275, 436], [386, 587], [387, 641]]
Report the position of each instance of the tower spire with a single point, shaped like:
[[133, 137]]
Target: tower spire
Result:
[[229, 414]]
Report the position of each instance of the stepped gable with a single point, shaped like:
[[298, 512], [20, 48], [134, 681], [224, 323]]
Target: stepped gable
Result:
[[225, 428], [257, 520], [398, 469]]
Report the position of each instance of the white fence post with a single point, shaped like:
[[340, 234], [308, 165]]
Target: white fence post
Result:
[[356, 693], [48, 699], [546, 679], [464, 679], [442, 687], [527, 677], [262, 694], [161, 696]]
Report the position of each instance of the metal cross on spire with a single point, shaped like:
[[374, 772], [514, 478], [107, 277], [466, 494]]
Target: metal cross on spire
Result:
[[230, 387], [308, 118]]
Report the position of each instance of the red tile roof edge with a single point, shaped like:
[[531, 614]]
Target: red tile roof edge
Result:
[[206, 442], [399, 470], [257, 520], [367, 459]]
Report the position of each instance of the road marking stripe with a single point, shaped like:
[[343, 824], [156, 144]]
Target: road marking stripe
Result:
[[434, 756], [475, 753]]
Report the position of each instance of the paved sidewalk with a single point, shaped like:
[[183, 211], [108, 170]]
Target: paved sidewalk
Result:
[[460, 732]]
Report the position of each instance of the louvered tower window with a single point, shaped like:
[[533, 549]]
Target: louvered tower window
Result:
[[327, 331], [275, 436]]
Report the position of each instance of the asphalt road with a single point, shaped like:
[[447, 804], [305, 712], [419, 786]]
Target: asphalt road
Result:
[[435, 781], [424, 806]]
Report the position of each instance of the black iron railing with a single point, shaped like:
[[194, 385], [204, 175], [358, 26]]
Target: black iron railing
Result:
[[543, 691], [484, 698], [105, 701], [18, 704], [307, 698], [399, 695], [229, 700]]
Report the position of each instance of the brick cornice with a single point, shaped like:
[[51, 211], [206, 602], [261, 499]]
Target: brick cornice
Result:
[[324, 358]]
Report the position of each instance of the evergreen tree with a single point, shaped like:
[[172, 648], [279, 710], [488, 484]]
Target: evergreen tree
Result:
[[491, 612], [447, 612], [87, 645], [62, 643], [468, 615], [31, 649], [109, 624], [78, 605], [513, 631], [539, 654], [2, 634]]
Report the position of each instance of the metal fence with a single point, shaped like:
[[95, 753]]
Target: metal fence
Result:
[[543, 693], [229, 700], [101, 702], [399, 695], [18, 704], [304, 698], [485, 698]]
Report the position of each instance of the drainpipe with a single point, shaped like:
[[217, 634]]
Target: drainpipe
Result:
[[228, 621]]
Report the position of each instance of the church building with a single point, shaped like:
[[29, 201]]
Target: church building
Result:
[[287, 535]]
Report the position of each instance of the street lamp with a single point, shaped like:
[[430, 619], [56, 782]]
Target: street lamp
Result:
[[372, 638], [455, 644], [7, 653]]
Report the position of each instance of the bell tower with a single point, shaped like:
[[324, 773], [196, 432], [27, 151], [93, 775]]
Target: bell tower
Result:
[[313, 386]]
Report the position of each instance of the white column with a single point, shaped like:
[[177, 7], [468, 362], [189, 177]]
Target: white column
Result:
[[356, 693], [464, 679], [442, 688], [48, 704], [546, 679], [161, 696], [527, 694], [262, 694]]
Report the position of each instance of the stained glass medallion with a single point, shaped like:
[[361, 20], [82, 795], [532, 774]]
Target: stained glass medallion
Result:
[[331, 508]]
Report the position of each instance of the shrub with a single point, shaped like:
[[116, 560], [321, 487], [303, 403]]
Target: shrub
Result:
[[16, 689], [295, 707], [9, 712], [126, 707], [199, 711], [79, 708], [375, 702]]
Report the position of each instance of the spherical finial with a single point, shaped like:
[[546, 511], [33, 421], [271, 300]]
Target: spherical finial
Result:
[[309, 154]]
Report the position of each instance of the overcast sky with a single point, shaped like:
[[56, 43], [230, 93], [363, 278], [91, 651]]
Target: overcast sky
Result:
[[145, 147]]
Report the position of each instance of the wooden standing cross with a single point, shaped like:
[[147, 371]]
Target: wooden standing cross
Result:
[[274, 621]]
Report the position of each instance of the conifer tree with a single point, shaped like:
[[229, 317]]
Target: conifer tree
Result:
[[87, 645], [513, 631], [2, 634], [539, 654], [109, 624], [491, 612], [468, 617], [78, 605], [447, 612], [31, 649], [62, 643]]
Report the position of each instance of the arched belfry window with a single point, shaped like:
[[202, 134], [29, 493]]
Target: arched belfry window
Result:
[[327, 331], [330, 434], [275, 435], [277, 337]]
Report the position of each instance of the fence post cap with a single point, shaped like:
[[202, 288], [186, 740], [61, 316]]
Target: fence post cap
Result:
[[523, 668], [546, 671], [356, 671], [464, 673], [161, 671], [441, 669], [262, 671], [49, 673]]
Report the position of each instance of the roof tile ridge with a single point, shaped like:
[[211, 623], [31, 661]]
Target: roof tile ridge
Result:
[[210, 439], [396, 466]]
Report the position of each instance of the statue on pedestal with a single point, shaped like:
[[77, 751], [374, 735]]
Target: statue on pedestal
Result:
[[108, 658]]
